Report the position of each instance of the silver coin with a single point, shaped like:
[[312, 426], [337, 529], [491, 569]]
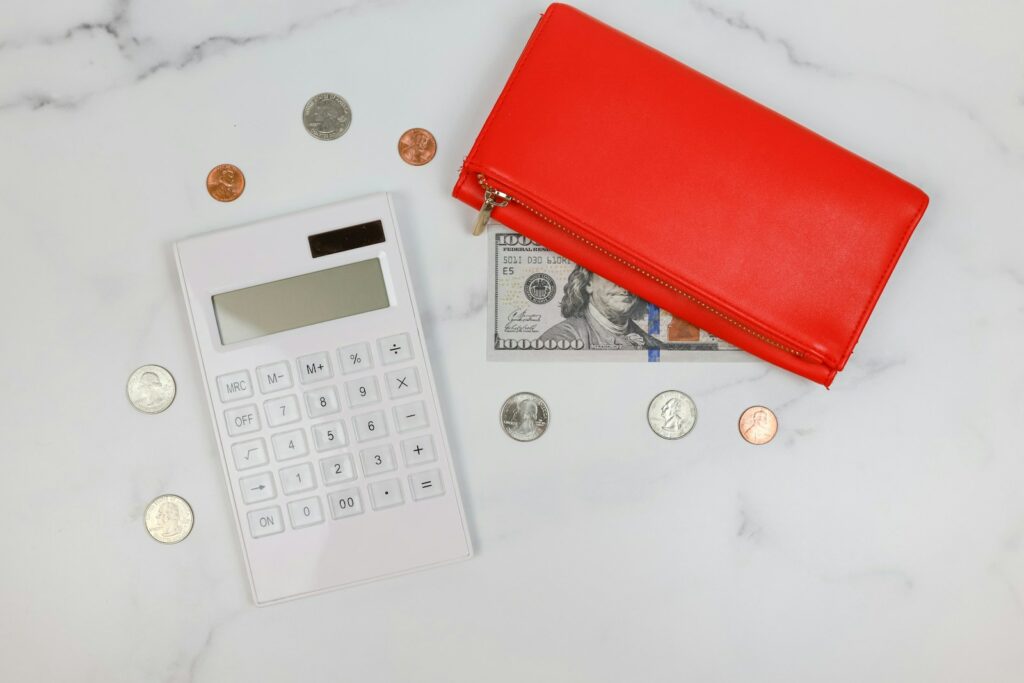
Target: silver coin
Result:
[[151, 389], [169, 518], [524, 416], [672, 414], [326, 116]]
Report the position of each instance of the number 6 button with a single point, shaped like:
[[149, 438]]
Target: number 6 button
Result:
[[370, 426]]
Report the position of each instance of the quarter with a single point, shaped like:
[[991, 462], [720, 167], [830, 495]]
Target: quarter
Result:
[[225, 183], [758, 425], [672, 414], [326, 116], [169, 518], [151, 389], [524, 416], [417, 146]]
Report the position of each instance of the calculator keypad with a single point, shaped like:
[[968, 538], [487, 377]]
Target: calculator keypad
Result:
[[367, 468]]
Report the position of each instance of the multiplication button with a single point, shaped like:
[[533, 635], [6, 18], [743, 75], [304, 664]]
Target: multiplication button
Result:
[[315, 367], [234, 386], [265, 522], [404, 382], [242, 420], [274, 377], [395, 349]]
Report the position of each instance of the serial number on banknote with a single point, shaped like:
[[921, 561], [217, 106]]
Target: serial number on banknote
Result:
[[545, 307]]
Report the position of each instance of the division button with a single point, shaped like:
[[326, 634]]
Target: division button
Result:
[[395, 349]]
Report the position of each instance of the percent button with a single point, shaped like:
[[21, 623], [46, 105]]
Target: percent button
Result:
[[355, 358]]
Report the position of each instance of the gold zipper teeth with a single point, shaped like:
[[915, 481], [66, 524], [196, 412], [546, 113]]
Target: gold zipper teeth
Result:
[[724, 316]]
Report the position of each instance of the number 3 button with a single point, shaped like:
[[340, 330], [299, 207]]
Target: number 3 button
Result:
[[370, 426]]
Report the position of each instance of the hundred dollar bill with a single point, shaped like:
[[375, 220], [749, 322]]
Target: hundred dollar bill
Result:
[[545, 307]]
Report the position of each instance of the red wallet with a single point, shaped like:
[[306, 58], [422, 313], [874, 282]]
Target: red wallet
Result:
[[689, 194]]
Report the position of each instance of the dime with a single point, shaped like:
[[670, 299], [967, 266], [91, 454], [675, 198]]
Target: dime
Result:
[[169, 518], [151, 389], [225, 183], [417, 146], [758, 425], [524, 416], [672, 414], [326, 116]]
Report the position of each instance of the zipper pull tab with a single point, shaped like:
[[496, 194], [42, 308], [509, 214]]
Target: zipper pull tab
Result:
[[492, 200]]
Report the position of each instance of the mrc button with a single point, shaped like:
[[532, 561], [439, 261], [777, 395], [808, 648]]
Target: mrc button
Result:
[[234, 386]]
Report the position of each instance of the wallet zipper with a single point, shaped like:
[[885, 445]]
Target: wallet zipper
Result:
[[495, 198]]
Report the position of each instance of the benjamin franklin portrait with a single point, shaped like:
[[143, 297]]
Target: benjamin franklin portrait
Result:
[[600, 314]]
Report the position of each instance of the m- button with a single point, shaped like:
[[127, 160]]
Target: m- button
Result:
[[234, 386]]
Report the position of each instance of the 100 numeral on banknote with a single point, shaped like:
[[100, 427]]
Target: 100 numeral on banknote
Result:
[[545, 307]]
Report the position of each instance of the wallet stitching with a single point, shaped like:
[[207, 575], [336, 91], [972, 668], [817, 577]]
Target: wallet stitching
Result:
[[876, 292], [664, 281], [508, 86]]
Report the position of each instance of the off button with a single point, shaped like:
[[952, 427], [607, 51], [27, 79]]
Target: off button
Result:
[[242, 420]]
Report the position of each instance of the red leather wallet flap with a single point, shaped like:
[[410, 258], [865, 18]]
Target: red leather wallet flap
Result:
[[690, 194]]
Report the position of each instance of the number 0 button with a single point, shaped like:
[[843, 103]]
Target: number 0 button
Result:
[[305, 512]]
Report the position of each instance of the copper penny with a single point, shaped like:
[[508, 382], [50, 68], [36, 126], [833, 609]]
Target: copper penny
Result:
[[758, 425], [225, 183], [417, 146]]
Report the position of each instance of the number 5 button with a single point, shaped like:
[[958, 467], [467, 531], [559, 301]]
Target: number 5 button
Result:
[[329, 435]]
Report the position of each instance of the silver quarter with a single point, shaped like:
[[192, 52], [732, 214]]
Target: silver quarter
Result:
[[524, 416], [151, 389], [672, 414], [169, 518], [326, 116]]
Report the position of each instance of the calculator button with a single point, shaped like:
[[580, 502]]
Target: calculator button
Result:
[[405, 382], [247, 454], [274, 377], [362, 391], [242, 420], [426, 484], [376, 460], [234, 386], [257, 488], [305, 512], [315, 367], [328, 435], [385, 494], [395, 349], [282, 411], [265, 522], [337, 469], [355, 358], [345, 503], [288, 445], [410, 416], [418, 450], [320, 402], [297, 478], [370, 425]]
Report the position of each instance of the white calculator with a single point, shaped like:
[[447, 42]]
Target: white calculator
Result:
[[322, 399]]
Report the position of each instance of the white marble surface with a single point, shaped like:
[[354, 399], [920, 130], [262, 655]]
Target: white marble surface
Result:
[[879, 538]]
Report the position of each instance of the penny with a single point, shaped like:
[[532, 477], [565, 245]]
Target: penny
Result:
[[417, 146], [524, 416], [225, 183], [326, 116], [758, 425], [169, 518], [672, 414], [151, 389]]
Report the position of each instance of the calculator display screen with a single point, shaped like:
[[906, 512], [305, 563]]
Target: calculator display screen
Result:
[[299, 301]]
